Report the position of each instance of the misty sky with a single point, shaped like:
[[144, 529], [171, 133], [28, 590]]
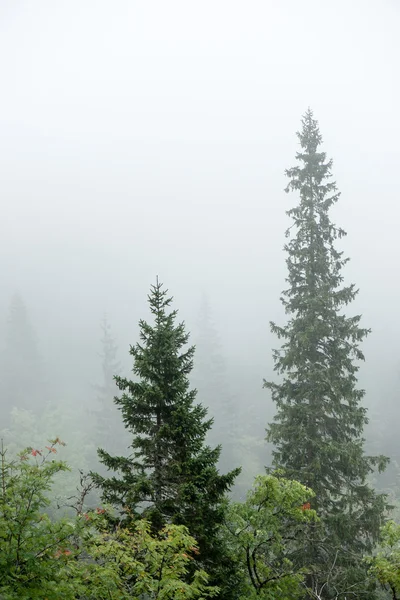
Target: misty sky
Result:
[[145, 138]]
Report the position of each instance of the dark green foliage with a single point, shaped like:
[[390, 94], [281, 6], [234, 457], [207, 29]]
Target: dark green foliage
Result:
[[318, 428], [171, 476]]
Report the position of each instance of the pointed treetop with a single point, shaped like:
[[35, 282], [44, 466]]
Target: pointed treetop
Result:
[[159, 300], [310, 136], [311, 178]]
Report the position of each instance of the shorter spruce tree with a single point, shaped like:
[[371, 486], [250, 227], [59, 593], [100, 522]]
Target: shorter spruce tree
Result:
[[171, 475]]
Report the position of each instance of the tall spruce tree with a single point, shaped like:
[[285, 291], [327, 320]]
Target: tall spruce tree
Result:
[[318, 429], [171, 475]]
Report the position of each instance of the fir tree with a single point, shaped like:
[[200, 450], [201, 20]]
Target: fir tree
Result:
[[22, 380], [318, 428], [108, 429], [171, 476], [211, 380]]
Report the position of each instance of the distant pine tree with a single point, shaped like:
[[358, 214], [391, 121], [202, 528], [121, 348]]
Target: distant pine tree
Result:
[[108, 428], [22, 379], [318, 428], [211, 381], [171, 476]]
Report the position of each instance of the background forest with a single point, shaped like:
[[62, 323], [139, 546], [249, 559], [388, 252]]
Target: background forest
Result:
[[318, 524], [147, 145]]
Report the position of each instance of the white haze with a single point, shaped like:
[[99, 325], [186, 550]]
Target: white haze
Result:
[[150, 138]]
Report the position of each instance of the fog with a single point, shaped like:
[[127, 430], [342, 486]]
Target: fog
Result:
[[144, 139]]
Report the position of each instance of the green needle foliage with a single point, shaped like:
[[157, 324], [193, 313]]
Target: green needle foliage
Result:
[[171, 476], [318, 429]]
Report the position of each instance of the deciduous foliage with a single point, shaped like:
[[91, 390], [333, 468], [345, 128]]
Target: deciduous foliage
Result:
[[77, 558], [318, 428], [150, 566], [29, 540], [27, 428], [261, 533], [385, 564]]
